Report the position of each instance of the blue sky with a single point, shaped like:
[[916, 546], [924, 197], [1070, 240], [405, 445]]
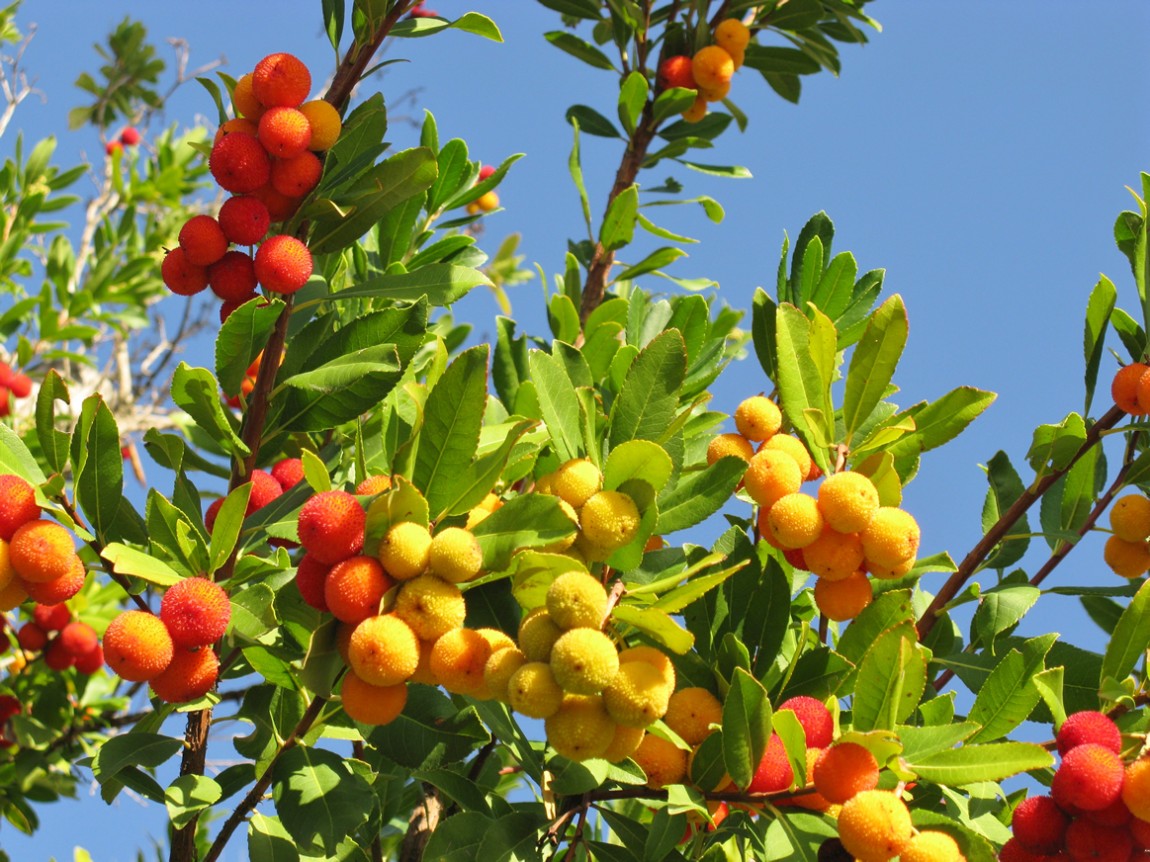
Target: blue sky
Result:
[[978, 152]]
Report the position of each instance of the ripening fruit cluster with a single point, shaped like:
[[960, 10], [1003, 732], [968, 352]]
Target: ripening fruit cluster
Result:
[[1098, 807], [266, 487], [488, 201], [172, 651], [605, 520], [62, 641], [709, 71], [12, 383], [267, 158], [1127, 551]]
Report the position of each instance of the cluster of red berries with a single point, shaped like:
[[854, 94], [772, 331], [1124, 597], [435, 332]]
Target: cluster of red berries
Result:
[[266, 157], [12, 383], [488, 201], [1098, 807], [129, 137], [40, 560], [709, 71], [63, 641], [266, 486]]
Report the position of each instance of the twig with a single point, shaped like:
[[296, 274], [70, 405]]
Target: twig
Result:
[[424, 820]]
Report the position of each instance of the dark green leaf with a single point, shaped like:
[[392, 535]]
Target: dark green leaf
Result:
[[646, 405], [619, 223], [746, 726], [318, 798], [873, 363], [100, 478], [1131, 637], [578, 48], [1098, 310], [53, 442]]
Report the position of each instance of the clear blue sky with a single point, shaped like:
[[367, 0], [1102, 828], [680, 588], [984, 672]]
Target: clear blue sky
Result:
[[977, 151]]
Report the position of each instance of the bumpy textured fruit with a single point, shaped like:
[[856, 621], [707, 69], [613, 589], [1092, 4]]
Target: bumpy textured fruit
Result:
[[499, 669], [794, 447], [624, 743], [288, 472], [654, 657], [874, 825], [1136, 788], [455, 555], [581, 728], [675, 71], [1089, 778], [663, 761], [930, 845], [423, 672], [712, 67], [774, 772], [691, 712], [758, 418], [331, 526], [833, 555], [238, 124], [56, 657], [1086, 726], [383, 650], [309, 579], [1124, 388], [533, 691], [843, 771], [372, 704], [31, 637], [373, 485], [18, 505], [848, 500], [584, 661], [190, 675], [405, 550], [576, 599], [90, 662], [137, 646], [281, 79], [1126, 559], [41, 551], [78, 638], [637, 695], [244, 99], [1086, 839], [610, 519], [728, 444], [203, 240], [576, 480], [233, 277], [196, 612], [244, 219], [181, 276], [891, 537], [1130, 518], [354, 588], [458, 659], [795, 521], [12, 594], [1040, 824], [843, 600], [693, 114], [732, 35], [239, 163], [771, 475], [297, 176], [284, 132], [51, 618], [59, 590], [325, 124], [283, 264], [816, 720], [430, 605], [537, 635]]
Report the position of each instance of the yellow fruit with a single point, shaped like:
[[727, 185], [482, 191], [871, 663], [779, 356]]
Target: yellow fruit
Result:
[[1129, 518], [405, 550], [430, 605], [455, 555], [137, 646], [576, 599], [890, 573], [245, 100], [1124, 388], [716, 94], [423, 672], [795, 521], [487, 202], [372, 704], [499, 670], [545, 484], [325, 124], [12, 595], [486, 506], [637, 696], [758, 418], [560, 546], [663, 761], [770, 476], [691, 712], [845, 599], [610, 519], [834, 555], [726, 444], [1136, 788], [584, 661], [581, 728], [931, 846], [891, 537], [383, 650], [712, 67], [458, 659], [874, 825], [848, 500], [693, 114], [576, 480], [623, 744], [1128, 559], [654, 657], [533, 691], [732, 33], [794, 447], [7, 573], [496, 639], [537, 635]]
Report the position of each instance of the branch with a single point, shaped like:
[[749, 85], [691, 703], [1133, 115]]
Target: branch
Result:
[[424, 820]]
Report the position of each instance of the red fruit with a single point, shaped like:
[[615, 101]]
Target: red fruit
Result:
[[1114, 814], [196, 612], [298, 175], [1089, 778], [130, 136], [1040, 824], [284, 132], [51, 618], [9, 706], [202, 240], [181, 276], [813, 715], [283, 264], [78, 638], [91, 662], [20, 385], [795, 557], [31, 637], [1089, 726], [331, 526], [226, 309], [212, 512], [774, 772], [1086, 840], [310, 577], [191, 675], [113, 148], [1140, 830], [42, 551], [418, 11], [485, 172], [239, 163], [288, 472], [843, 771], [233, 277], [281, 79], [264, 489], [676, 72], [57, 657], [18, 505], [280, 207], [244, 219]]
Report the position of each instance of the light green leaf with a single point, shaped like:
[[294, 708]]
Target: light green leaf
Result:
[[1131, 637], [873, 363], [746, 726], [993, 761], [137, 564]]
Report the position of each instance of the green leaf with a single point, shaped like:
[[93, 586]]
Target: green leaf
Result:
[[188, 795], [649, 398], [226, 529], [347, 369], [53, 443], [1099, 307], [657, 625], [764, 313], [441, 283], [746, 726], [100, 478], [938, 422], [527, 521], [146, 750], [969, 764], [806, 352], [268, 841], [776, 60], [696, 496], [632, 97], [618, 227], [891, 680], [886, 611], [1005, 487], [637, 459], [673, 101], [196, 391], [558, 404], [656, 260], [478, 25], [318, 797], [1056, 445], [1009, 694], [241, 339], [457, 839], [1000, 609], [1131, 637], [579, 49], [449, 437], [873, 363], [137, 564]]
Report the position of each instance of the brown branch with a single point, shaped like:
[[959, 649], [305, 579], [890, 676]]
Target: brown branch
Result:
[[424, 820], [96, 546], [358, 56], [973, 560]]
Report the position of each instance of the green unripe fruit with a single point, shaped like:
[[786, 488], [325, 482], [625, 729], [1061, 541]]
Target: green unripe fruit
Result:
[[405, 550], [584, 661], [576, 599]]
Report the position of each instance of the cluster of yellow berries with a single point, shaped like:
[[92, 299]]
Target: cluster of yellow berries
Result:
[[709, 71], [840, 535], [605, 520], [1127, 552]]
